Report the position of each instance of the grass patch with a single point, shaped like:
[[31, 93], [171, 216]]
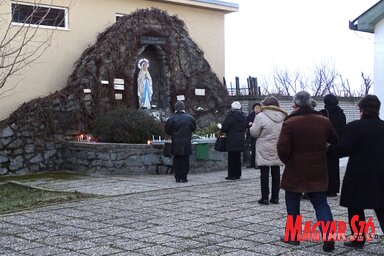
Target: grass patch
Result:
[[15, 197], [43, 175]]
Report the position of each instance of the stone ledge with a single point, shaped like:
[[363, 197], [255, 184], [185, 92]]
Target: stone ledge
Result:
[[131, 159]]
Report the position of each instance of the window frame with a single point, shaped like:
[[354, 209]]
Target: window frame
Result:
[[118, 15], [66, 26]]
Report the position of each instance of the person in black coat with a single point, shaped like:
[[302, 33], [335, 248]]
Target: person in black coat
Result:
[[363, 142], [249, 139], [234, 125], [180, 127], [337, 117]]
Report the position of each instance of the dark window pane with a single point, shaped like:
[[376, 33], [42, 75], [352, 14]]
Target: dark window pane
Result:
[[38, 15]]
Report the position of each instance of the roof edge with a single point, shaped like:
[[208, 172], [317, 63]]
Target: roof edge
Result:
[[367, 21], [223, 6]]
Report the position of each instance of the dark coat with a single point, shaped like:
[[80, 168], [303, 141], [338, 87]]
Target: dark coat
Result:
[[180, 127], [337, 117], [251, 117], [302, 148], [363, 184], [235, 125]]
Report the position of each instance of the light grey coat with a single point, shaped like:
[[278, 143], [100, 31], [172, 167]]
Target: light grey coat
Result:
[[266, 129]]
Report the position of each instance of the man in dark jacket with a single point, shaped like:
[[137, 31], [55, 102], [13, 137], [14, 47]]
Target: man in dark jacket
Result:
[[302, 148], [363, 184], [234, 126], [180, 127]]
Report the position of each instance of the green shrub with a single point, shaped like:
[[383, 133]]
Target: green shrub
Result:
[[211, 128], [123, 125]]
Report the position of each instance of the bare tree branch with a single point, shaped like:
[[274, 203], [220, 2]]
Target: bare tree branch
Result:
[[366, 84], [325, 79], [24, 43]]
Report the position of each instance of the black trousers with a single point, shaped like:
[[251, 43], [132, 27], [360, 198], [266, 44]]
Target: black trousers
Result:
[[253, 152], [333, 174], [234, 164], [264, 180], [360, 212], [181, 166]]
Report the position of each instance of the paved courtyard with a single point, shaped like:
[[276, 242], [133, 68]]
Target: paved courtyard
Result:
[[153, 215]]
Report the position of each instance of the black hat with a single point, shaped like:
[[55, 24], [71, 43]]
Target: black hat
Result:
[[330, 100]]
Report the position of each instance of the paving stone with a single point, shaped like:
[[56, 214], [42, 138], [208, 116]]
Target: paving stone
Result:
[[45, 251], [153, 215], [243, 253], [159, 239], [238, 244], [187, 233], [214, 250], [236, 233], [77, 245], [21, 220], [211, 228], [270, 249], [100, 250], [59, 239], [131, 245], [157, 250], [185, 244]]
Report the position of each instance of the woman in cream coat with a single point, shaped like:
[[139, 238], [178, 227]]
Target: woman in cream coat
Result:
[[266, 129]]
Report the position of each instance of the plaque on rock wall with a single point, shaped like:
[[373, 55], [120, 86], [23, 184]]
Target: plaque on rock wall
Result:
[[118, 84], [118, 96], [119, 87], [200, 92], [180, 97], [159, 40]]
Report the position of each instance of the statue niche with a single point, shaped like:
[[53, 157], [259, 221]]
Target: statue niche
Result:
[[144, 85], [152, 58]]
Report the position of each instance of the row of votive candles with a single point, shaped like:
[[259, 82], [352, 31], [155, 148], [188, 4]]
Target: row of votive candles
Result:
[[83, 137]]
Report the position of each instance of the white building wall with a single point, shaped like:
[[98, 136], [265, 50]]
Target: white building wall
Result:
[[379, 65]]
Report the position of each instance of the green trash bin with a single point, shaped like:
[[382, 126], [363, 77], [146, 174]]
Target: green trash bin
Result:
[[202, 151]]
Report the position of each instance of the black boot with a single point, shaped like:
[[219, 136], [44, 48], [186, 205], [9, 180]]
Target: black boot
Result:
[[354, 244], [263, 201], [328, 246]]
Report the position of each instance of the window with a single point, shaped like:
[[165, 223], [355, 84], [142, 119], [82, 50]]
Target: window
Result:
[[39, 15]]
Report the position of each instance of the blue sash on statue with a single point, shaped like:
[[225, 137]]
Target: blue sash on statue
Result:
[[145, 92]]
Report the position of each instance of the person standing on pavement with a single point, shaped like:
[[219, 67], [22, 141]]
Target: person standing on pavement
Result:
[[266, 129], [363, 143], [249, 139], [180, 127], [337, 117], [234, 126], [302, 147]]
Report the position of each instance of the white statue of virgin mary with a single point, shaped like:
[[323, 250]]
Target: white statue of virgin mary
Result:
[[144, 84]]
